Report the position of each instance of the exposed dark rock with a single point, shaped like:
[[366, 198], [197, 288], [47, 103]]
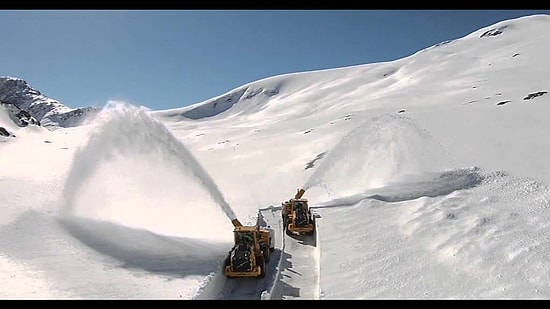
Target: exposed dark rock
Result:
[[503, 102], [20, 117], [443, 43], [451, 216], [4, 132], [250, 93], [493, 32], [30, 106], [534, 95], [19, 93], [311, 164], [215, 106], [389, 73]]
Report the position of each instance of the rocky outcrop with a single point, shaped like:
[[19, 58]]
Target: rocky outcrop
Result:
[[30, 106], [4, 132], [21, 118]]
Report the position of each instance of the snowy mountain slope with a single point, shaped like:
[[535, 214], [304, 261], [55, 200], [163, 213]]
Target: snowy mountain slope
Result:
[[50, 112], [429, 175], [473, 66]]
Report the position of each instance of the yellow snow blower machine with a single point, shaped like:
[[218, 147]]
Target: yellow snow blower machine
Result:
[[297, 216], [251, 251]]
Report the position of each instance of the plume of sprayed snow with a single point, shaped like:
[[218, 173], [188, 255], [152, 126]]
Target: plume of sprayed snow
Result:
[[132, 170], [391, 147]]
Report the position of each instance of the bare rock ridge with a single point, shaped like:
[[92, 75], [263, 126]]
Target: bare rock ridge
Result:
[[28, 106]]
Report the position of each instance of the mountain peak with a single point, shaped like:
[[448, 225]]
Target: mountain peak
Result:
[[49, 112]]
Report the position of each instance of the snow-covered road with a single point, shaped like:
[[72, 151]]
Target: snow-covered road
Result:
[[293, 271]]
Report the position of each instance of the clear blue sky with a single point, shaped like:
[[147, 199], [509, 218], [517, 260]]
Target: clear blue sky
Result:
[[167, 59]]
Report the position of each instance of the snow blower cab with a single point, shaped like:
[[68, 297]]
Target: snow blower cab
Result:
[[297, 216], [251, 251]]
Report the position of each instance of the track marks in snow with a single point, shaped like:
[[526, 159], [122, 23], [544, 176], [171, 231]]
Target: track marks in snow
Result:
[[300, 269], [465, 241]]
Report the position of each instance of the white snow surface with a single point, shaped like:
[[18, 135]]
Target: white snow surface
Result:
[[428, 176]]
